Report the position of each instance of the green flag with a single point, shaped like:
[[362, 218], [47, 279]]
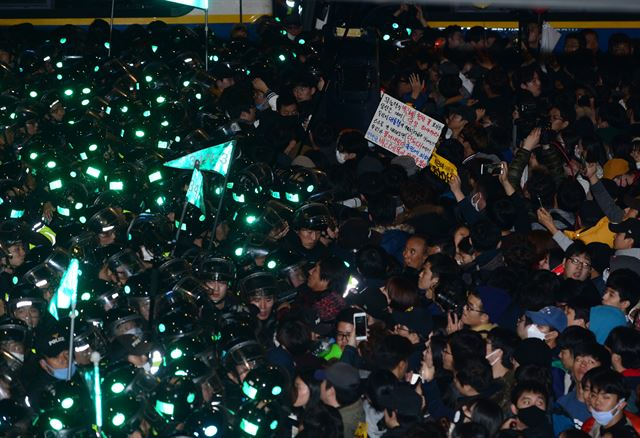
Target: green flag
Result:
[[214, 158], [195, 193], [65, 296]]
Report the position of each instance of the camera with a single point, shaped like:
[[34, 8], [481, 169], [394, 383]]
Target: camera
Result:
[[493, 169]]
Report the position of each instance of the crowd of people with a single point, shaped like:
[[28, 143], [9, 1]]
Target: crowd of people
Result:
[[325, 287]]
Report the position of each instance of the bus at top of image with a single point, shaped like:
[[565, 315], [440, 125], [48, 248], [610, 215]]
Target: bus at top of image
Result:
[[223, 14]]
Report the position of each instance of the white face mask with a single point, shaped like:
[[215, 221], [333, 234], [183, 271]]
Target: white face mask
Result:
[[494, 353], [341, 157], [19, 356], [534, 332]]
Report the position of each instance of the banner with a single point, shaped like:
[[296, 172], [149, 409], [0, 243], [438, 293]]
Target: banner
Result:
[[200, 4], [404, 131]]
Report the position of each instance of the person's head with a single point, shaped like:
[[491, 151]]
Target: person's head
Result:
[[379, 383], [340, 384], [473, 377], [529, 80], [484, 305], [484, 236], [371, 261], [304, 89], [620, 45], [286, 105], [344, 326], [570, 195], [309, 238], [474, 138], [401, 293], [329, 273], [546, 324], [415, 252], [588, 356], [621, 290], [591, 40], [264, 302], [295, 336], [487, 413], [624, 344], [569, 340], [306, 391], [435, 266], [573, 42], [608, 393], [577, 262], [462, 345], [578, 312], [526, 397], [392, 353], [501, 343], [453, 37], [626, 234], [469, 430]]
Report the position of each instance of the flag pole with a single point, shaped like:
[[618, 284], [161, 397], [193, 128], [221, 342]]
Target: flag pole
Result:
[[224, 191], [71, 335], [184, 211]]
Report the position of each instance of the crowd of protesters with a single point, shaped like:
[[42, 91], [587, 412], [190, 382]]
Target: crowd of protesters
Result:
[[323, 287]]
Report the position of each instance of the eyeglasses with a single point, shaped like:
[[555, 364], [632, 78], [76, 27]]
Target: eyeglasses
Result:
[[343, 335], [577, 262], [473, 309]]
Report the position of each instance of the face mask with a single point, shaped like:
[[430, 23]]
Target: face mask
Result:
[[475, 202], [61, 373], [534, 332], [532, 416], [341, 157], [494, 353], [136, 331], [603, 418], [18, 356]]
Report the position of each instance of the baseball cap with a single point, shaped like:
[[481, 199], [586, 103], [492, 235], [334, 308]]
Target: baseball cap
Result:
[[630, 226], [403, 399], [340, 374], [551, 316], [615, 167], [53, 340]]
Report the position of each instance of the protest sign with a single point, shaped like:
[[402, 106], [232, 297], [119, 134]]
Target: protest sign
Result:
[[403, 130], [442, 168]]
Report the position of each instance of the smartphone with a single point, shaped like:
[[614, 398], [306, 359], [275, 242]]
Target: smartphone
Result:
[[415, 378], [492, 169], [360, 325], [352, 286]]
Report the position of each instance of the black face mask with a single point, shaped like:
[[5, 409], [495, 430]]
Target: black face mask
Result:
[[381, 424], [532, 416]]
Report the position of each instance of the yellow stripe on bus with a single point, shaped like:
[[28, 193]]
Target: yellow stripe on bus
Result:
[[196, 18]]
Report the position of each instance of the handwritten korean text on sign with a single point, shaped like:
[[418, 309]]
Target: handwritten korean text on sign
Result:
[[403, 130]]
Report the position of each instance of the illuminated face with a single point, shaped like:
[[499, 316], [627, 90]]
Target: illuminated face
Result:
[[611, 297], [415, 253], [303, 93], [17, 254], [107, 238], [27, 313], [289, 110], [472, 311], [309, 238], [582, 364], [534, 86], [343, 331], [57, 112], [528, 399], [314, 281], [216, 290], [427, 281], [302, 393], [577, 267], [264, 305]]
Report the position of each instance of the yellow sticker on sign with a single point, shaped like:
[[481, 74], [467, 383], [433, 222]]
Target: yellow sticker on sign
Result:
[[442, 168]]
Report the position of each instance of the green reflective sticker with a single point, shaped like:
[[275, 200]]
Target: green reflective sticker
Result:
[[118, 419], [165, 123], [16, 214], [33, 94], [282, 57], [56, 424], [59, 64], [83, 156], [148, 78], [79, 205], [63, 211], [92, 171], [163, 144], [293, 197], [160, 200], [238, 198], [33, 155], [67, 403], [139, 133], [216, 58], [250, 219], [273, 425], [276, 390], [117, 388], [93, 147], [147, 113], [86, 296], [55, 185], [116, 185], [249, 390], [210, 431], [63, 40], [85, 102], [51, 164], [160, 99], [191, 397], [127, 289], [249, 427], [86, 90], [68, 92], [154, 48], [271, 264], [155, 176], [161, 328], [238, 252], [164, 408], [176, 353]]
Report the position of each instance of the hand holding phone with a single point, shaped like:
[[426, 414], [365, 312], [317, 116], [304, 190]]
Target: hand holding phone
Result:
[[360, 326]]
